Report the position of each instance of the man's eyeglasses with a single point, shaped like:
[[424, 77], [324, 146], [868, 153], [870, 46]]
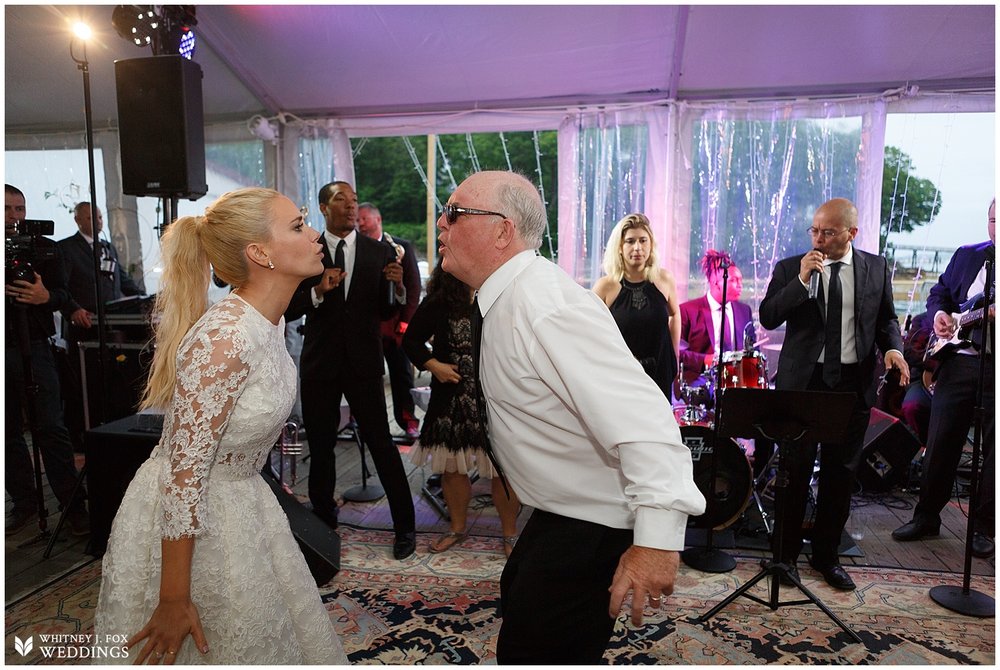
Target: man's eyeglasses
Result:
[[452, 212], [828, 233]]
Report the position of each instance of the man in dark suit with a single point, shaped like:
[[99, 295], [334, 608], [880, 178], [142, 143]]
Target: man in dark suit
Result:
[[701, 317], [955, 400], [79, 320], [830, 345], [400, 368], [342, 356]]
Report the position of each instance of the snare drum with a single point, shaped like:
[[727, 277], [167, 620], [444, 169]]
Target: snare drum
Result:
[[744, 369], [730, 494]]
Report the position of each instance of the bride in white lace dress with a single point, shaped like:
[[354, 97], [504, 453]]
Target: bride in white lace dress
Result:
[[201, 566]]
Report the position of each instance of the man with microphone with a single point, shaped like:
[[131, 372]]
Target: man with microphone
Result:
[[830, 345]]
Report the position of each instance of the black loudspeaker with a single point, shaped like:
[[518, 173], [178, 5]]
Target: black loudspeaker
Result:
[[161, 129], [889, 448], [320, 544]]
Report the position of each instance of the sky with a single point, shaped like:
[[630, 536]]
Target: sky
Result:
[[957, 152]]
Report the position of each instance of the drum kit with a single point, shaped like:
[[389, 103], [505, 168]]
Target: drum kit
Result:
[[734, 483]]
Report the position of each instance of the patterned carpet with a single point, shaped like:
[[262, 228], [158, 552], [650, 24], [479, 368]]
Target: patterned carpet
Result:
[[441, 609]]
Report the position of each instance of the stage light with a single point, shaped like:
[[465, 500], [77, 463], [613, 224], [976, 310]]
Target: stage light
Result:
[[132, 22], [166, 33], [82, 30]]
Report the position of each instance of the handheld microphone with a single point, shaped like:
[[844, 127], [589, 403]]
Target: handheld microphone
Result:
[[814, 283]]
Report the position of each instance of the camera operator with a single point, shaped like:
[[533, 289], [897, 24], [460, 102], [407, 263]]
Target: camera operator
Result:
[[35, 300]]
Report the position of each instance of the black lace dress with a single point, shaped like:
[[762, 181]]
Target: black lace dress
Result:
[[640, 310], [451, 437]]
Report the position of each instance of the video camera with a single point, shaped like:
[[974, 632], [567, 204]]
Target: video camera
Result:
[[21, 249]]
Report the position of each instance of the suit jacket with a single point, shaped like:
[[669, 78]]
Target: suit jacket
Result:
[[875, 324], [700, 334], [952, 287], [346, 337], [411, 281], [78, 255]]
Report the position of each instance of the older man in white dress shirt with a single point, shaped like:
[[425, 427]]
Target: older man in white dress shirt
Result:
[[582, 434]]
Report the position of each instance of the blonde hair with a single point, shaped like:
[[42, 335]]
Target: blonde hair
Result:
[[191, 247], [614, 263]]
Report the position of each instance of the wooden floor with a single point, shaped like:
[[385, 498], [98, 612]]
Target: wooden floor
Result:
[[873, 519]]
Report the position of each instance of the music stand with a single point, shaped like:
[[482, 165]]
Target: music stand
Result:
[[784, 417]]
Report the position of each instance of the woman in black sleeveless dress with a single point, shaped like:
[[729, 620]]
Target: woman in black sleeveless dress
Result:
[[642, 298]]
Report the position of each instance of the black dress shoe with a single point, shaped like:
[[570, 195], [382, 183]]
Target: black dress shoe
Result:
[[405, 544], [982, 545], [836, 576], [917, 529]]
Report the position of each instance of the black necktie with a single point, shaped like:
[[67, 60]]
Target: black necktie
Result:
[[338, 262], [834, 308], [477, 343]]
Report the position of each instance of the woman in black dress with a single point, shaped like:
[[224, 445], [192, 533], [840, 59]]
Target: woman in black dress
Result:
[[451, 439], [642, 298]]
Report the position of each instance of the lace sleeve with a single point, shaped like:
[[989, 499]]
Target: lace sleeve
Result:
[[212, 370]]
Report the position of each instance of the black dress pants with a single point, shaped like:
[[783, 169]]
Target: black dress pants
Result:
[[321, 413], [554, 591], [838, 471], [952, 412]]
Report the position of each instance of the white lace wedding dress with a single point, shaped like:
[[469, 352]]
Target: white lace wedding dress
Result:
[[257, 601]]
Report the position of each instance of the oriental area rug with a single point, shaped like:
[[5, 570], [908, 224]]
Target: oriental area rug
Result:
[[441, 609]]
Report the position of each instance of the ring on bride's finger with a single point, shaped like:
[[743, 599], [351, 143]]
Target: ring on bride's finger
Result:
[[171, 652], [159, 654]]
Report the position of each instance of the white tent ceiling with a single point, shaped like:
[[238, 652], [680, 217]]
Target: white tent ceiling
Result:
[[348, 60]]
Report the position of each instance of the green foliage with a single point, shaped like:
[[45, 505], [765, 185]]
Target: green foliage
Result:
[[907, 200], [386, 175]]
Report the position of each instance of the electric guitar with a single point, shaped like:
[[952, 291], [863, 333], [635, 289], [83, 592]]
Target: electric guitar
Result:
[[939, 348]]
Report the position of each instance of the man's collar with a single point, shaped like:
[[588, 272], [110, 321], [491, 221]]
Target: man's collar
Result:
[[501, 278], [349, 238], [716, 305], [88, 238]]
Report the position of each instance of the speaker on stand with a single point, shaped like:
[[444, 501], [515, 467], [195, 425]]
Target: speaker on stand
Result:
[[161, 127]]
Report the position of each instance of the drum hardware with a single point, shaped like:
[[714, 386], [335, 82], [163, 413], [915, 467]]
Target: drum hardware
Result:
[[732, 485], [287, 449]]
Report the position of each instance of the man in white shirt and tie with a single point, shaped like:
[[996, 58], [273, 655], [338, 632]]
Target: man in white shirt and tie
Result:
[[580, 432], [831, 344]]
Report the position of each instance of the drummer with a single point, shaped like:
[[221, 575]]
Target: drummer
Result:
[[700, 324], [701, 317]]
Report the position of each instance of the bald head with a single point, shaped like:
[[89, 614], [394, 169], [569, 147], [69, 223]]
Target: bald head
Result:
[[835, 224]]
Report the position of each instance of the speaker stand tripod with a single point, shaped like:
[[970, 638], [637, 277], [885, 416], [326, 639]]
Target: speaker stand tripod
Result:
[[785, 417], [366, 492]]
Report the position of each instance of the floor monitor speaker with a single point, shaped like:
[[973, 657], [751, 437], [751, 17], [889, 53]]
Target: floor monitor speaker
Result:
[[320, 544], [889, 448], [161, 127]]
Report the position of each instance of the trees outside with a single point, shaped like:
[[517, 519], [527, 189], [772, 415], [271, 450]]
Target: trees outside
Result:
[[386, 174], [907, 200]]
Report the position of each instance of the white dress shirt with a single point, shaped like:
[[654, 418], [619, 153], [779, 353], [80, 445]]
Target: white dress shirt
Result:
[[577, 426], [848, 345], [350, 251], [717, 320]]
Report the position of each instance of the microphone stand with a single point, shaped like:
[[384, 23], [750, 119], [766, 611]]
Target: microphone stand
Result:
[[708, 558], [964, 600]]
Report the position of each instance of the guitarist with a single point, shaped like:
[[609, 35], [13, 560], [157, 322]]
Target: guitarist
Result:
[[954, 401]]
